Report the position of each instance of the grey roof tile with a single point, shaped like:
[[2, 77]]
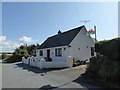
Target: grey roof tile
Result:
[[61, 39]]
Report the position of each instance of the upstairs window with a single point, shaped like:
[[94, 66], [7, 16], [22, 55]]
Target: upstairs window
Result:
[[41, 52], [58, 52]]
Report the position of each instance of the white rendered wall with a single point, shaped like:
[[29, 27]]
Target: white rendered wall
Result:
[[38, 53], [52, 53], [24, 60], [62, 64], [78, 49], [35, 62]]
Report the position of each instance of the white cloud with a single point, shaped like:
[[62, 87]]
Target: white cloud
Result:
[[25, 39], [7, 46], [10, 46], [2, 38]]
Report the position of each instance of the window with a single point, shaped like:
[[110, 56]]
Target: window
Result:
[[58, 52], [41, 52], [92, 51]]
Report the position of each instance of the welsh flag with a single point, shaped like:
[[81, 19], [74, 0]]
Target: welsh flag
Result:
[[90, 32]]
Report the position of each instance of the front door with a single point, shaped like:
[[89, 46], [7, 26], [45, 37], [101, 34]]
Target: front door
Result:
[[48, 53], [29, 61]]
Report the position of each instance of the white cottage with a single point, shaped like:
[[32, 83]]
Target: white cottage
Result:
[[72, 43]]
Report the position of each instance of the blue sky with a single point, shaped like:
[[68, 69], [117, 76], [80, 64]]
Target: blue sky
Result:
[[37, 21]]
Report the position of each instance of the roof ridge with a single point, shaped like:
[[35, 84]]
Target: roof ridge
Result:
[[67, 31], [62, 39]]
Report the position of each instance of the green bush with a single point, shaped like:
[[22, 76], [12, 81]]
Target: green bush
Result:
[[17, 56], [109, 48], [4, 55], [105, 69], [14, 58], [5, 59], [25, 51], [21, 52], [95, 65], [106, 65], [109, 70]]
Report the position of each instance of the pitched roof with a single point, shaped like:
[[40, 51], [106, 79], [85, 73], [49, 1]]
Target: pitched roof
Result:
[[61, 39]]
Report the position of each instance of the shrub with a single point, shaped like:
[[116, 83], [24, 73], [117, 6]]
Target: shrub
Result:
[[21, 52], [25, 51], [95, 65], [109, 48], [14, 58], [4, 55], [106, 65], [5, 59], [109, 70]]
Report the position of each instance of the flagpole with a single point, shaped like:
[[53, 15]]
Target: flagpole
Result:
[[95, 33], [95, 39]]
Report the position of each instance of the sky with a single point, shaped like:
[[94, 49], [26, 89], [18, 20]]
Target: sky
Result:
[[34, 22]]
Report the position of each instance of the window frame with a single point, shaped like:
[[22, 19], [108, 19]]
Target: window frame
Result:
[[58, 52], [41, 52]]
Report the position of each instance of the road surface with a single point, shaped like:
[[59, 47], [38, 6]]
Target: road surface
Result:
[[19, 75]]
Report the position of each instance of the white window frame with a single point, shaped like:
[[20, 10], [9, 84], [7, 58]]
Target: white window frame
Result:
[[58, 52], [41, 52]]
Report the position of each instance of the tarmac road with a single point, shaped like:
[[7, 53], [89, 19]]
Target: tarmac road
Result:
[[19, 75]]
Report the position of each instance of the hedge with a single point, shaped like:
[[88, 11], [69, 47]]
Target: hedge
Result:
[[14, 58], [106, 65]]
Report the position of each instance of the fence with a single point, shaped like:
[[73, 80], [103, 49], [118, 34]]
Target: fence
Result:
[[41, 63]]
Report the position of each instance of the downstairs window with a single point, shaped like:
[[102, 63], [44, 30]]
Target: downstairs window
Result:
[[58, 52], [41, 52]]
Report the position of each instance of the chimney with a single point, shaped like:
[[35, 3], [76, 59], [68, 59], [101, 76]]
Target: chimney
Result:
[[59, 32]]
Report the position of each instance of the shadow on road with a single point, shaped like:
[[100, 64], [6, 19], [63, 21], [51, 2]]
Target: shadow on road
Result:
[[47, 87], [90, 83], [34, 69], [84, 82], [83, 86]]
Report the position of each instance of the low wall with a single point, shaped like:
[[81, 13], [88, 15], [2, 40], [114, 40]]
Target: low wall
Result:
[[35, 62], [24, 60], [32, 61]]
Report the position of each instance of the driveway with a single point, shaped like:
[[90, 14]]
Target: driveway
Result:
[[19, 75]]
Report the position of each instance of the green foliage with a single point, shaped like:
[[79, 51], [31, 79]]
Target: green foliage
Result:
[[23, 50], [14, 58], [109, 70], [109, 48], [95, 65], [106, 65], [6, 58], [4, 55], [31, 50]]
